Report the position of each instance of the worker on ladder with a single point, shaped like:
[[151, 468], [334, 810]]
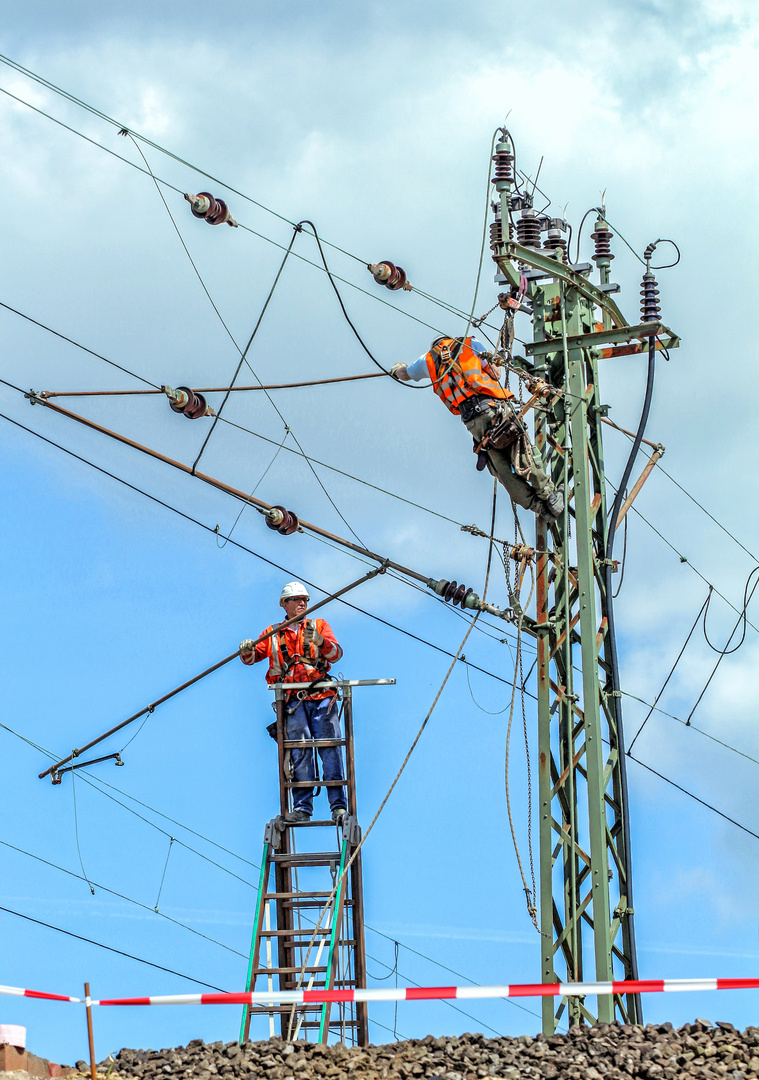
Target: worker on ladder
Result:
[[465, 380], [304, 653]]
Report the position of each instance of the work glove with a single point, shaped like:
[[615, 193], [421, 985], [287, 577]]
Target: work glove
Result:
[[247, 646], [310, 634], [397, 370]]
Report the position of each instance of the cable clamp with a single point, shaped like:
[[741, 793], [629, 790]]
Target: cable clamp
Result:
[[34, 398]]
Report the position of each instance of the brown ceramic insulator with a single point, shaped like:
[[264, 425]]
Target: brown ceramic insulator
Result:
[[504, 167], [602, 235], [649, 302], [528, 231]]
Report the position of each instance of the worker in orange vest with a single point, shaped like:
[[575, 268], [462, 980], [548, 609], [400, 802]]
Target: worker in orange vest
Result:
[[467, 384], [304, 653]]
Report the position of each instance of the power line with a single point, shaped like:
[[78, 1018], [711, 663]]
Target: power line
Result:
[[660, 468], [299, 451], [694, 797], [110, 948], [123, 896], [78, 345], [250, 551], [246, 228]]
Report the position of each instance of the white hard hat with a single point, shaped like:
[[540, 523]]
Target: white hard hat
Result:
[[292, 589]]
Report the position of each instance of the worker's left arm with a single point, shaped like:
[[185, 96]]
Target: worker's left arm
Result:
[[328, 645]]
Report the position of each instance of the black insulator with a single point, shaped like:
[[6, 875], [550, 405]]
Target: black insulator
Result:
[[452, 592], [649, 302], [553, 242], [286, 525], [602, 235], [449, 591], [496, 233], [504, 167], [528, 230], [194, 407]]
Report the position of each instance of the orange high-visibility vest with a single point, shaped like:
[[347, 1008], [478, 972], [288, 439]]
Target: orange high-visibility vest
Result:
[[455, 381], [311, 664]]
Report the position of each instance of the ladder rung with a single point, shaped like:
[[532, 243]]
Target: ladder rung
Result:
[[294, 744], [307, 858], [283, 1008], [303, 931], [299, 898], [310, 824], [289, 971], [313, 783]]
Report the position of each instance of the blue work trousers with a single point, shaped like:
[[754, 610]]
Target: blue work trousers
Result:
[[316, 720]]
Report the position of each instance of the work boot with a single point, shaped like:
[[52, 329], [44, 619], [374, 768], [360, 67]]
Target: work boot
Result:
[[338, 814], [553, 505], [296, 817]]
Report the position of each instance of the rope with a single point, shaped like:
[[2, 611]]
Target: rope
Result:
[[365, 836]]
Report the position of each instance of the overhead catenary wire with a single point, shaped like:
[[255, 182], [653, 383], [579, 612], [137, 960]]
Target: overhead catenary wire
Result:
[[696, 798], [235, 543], [93, 142], [123, 896], [214, 389], [208, 671], [377, 487], [111, 949], [244, 352], [742, 618], [678, 658], [327, 905], [252, 885]]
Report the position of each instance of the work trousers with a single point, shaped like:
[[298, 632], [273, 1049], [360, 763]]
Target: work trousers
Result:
[[316, 720], [527, 493]]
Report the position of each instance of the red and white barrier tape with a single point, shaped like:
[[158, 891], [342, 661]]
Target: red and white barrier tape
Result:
[[16, 991], [421, 993]]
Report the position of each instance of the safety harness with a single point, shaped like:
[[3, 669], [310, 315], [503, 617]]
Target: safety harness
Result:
[[457, 374], [306, 653]]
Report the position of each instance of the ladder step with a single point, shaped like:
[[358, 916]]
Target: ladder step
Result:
[[310, 824], [307, 858], [313, 783], [302, 932], [300, 899], [294, 744], [289, 971]]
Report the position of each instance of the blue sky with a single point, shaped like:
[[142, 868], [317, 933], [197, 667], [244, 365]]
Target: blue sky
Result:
[[374, 121]]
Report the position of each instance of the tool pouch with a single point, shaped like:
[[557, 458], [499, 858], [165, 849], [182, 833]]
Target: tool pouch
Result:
[[503, 433]]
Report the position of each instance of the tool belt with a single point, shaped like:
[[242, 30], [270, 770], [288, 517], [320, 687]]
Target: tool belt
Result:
[[505, 430], [474, 405]]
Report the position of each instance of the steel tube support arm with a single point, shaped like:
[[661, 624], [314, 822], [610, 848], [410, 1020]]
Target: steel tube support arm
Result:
[[215, 667]]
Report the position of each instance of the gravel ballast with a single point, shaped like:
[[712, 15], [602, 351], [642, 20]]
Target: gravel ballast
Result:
[[616, 1051]]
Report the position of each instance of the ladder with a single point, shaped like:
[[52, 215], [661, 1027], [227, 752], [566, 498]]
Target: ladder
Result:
[[308, 928]]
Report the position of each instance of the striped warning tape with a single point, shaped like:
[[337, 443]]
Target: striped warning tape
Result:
[[16, 991], [415, 993]]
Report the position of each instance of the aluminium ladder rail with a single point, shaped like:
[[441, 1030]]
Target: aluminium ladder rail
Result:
[[308, 914]]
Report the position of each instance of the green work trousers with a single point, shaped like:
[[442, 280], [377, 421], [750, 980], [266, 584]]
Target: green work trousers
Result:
[[528, 493]]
